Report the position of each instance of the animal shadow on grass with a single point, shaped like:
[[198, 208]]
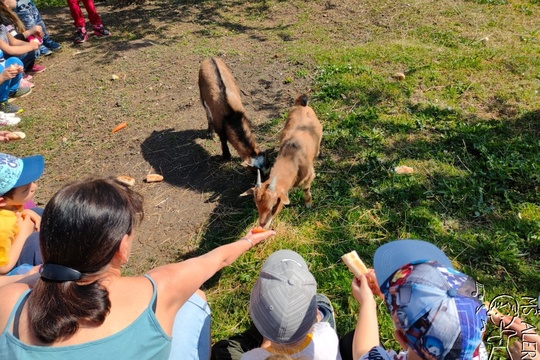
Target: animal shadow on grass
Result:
[[185, 163]]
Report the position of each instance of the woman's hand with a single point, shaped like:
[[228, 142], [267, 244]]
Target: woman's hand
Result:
[[256, 236]]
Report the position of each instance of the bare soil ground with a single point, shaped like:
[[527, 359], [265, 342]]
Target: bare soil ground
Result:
[[155, 51]]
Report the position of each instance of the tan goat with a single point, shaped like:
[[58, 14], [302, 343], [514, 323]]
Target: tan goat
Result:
[[220, 96], [300, 142]]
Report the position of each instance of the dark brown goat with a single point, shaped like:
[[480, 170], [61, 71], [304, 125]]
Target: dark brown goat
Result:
[[220, 97]]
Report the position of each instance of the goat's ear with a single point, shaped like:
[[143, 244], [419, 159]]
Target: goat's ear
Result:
[[247, 192], [285, 199]]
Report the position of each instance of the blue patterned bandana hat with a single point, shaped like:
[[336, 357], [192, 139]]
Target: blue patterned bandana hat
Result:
[[15, 172], [438, 310]]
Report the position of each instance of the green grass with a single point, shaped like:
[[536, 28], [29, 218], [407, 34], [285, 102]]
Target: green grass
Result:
[[466, 118]]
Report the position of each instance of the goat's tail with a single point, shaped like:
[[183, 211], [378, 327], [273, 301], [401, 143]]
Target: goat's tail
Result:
[[302, 100]]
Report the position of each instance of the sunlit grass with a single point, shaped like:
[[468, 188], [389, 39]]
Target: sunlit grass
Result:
[[466, 118]]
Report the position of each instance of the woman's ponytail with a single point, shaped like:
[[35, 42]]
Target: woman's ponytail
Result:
[[57, 309]]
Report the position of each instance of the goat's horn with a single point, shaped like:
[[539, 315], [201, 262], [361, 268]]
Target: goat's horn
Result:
[[272, 186], [259, 184]]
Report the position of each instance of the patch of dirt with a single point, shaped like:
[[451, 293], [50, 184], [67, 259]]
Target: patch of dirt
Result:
[[155, 51]]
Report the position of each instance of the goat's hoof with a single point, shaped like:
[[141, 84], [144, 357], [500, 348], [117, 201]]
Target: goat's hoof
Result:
[[309, 205]]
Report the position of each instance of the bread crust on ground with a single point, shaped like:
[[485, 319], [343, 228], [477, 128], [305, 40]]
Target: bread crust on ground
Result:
[[126, 180]]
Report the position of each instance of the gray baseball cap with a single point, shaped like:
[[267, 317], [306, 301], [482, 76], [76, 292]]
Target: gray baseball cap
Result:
[[282, 304]]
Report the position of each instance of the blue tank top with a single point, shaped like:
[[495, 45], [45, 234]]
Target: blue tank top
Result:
[[143, 339]]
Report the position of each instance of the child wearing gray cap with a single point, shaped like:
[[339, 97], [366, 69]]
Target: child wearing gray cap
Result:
[[287, 311]]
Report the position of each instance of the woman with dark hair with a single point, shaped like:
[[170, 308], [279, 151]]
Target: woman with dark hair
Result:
[[83, 308]]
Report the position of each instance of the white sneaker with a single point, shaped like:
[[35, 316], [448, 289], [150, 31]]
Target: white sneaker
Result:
[[8, 119]]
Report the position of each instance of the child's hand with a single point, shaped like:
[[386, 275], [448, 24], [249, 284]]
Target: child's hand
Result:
[[374, 284], [361, 290], [35, 218], [3, 136], [10, 72], [37, 30], [35, 44], [17, 69], [25, 223]]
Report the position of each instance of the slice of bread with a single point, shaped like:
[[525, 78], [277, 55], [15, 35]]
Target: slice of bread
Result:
[[355, 265], [16, 135]]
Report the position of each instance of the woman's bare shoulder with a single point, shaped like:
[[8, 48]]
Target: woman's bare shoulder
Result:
[[9, 294], [12, 292]]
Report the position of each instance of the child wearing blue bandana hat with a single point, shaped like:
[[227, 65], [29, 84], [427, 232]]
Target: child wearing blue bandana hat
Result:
[[437, 311], [19, 227]]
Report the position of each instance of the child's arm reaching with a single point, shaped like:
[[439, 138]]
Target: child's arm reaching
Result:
[[366, 334]]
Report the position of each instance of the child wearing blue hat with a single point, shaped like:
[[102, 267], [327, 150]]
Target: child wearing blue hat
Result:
[[19, 237], [436, 310]]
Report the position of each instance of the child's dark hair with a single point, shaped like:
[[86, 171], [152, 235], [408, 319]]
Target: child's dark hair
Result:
[[9, 194], [81, 228]]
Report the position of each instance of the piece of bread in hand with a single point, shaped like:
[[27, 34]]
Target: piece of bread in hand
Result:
[[16, 135], [355, 265], [126, 180]]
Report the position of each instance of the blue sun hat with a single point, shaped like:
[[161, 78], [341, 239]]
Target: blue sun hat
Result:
[[15, 172], [438, 308]]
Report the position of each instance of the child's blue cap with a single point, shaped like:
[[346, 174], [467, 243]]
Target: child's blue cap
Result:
[[439, 309], [15, 172], [393, 255]]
